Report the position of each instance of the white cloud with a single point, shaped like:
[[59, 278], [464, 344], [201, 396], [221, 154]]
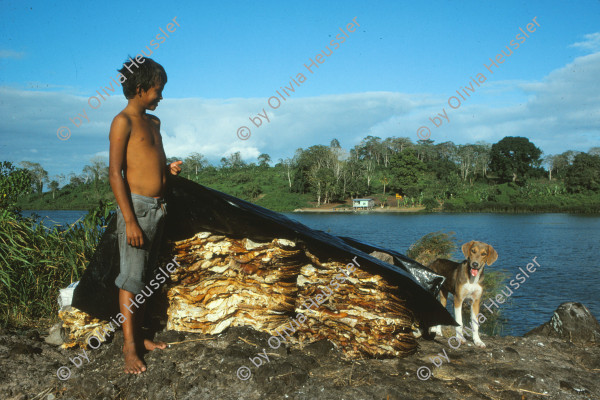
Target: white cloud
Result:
[[102, 154], [591, 42], [557, 113]]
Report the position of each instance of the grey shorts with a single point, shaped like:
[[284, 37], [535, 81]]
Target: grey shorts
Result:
[[137, 264]]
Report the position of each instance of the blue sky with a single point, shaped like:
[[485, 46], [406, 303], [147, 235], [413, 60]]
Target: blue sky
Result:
[[225, 59]]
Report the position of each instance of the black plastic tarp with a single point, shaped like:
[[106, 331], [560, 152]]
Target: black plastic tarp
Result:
[[193, 208]]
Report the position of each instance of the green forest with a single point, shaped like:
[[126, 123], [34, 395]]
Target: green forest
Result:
[[511, 175]]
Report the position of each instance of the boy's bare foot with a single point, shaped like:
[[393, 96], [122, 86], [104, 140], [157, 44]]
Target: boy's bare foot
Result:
[[150, 345], [133, 363]]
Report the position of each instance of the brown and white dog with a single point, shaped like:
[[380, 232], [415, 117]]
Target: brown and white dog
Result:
[[464, 280]]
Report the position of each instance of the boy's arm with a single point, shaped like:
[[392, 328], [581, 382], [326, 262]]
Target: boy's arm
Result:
[[120, 131]]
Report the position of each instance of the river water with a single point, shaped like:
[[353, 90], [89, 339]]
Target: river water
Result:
[[566, 246]]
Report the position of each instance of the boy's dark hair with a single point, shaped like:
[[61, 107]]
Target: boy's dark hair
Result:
[[144, 76]]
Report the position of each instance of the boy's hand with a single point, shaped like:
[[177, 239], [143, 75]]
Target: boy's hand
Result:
[[175, 168], [135, 236]]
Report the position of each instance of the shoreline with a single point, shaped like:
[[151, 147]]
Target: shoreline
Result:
[[350, 211], [379, 210]]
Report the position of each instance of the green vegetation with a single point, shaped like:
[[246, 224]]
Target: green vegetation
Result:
[[514, 157], [35, 261], [504, 177], [494, 282], [433, 246]]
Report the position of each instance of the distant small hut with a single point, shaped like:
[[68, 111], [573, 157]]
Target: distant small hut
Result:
[[363, 204]]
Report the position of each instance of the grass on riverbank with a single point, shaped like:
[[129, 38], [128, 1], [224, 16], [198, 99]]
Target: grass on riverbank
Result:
[[36, 261]]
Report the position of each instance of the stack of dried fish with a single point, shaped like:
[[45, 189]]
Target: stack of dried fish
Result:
[[223, 282], [361, 315], [80, 326], [227, 282]]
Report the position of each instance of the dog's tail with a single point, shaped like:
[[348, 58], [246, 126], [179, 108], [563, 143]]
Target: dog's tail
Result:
[[433, 246]]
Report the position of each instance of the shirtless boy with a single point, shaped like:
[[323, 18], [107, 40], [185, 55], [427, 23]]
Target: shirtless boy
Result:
[[138, 172]]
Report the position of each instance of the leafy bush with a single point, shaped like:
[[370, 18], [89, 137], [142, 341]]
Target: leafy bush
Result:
[[430, 203], [432, 246], [584, 174], [14, 182], [494, 281], [454, 205], [35, 262]]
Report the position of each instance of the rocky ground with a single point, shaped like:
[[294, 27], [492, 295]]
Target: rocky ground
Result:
[[552, 363]]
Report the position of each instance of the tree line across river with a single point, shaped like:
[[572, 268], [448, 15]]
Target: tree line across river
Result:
[[510, 175]]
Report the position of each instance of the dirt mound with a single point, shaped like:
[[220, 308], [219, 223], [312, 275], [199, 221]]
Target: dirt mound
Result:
[[207, 367]]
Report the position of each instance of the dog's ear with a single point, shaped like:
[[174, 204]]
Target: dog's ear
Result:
[[492, 255], [466, 248]]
